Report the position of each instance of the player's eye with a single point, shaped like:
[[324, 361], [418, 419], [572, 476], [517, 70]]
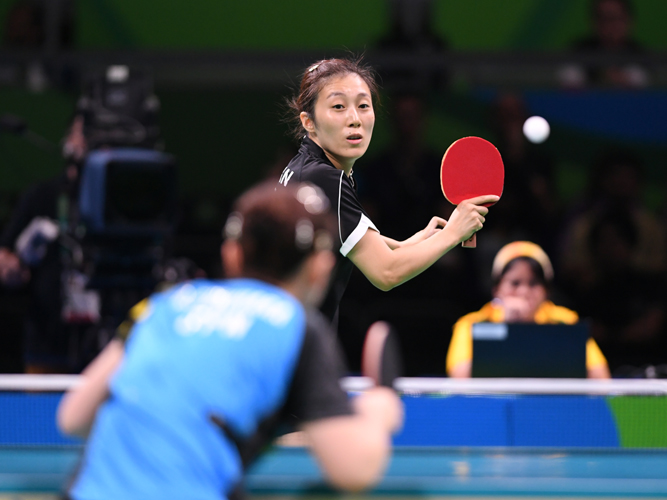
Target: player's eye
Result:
[[337, 106], [364, 106]]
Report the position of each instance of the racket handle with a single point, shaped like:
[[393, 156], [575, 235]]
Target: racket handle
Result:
[[471, 242]]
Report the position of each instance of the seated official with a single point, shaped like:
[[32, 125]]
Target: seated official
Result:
[[521, 276]]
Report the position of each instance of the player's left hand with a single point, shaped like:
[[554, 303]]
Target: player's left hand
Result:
[[434, 226]]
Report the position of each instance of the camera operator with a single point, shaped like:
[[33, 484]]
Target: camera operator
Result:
[[33, 250], [94, 240]]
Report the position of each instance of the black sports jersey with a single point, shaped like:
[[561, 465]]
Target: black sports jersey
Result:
[[312, 165]]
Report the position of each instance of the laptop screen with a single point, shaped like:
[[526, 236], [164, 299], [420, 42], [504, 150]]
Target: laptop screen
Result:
[[529, 350]]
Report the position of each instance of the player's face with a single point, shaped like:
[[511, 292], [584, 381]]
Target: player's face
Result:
[[344, 119], [520, 283]]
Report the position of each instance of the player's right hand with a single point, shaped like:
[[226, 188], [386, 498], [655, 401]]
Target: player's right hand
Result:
[[381, 404], [468, 217]]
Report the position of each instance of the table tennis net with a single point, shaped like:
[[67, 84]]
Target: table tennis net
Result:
[[559, 413], [439, 412], [28, 406]]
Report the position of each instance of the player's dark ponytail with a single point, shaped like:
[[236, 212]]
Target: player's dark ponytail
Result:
[[278, 229]]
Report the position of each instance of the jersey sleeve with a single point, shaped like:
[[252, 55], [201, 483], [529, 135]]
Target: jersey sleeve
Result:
[[353, 222], [594, 356], [137, 311], [315, 392], [460, 346]]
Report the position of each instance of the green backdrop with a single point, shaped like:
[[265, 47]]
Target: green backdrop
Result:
[[297, 24], [293, 24]]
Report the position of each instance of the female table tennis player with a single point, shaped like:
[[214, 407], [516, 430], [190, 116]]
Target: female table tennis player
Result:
[[333, 114], [521, 275], [214, 367]]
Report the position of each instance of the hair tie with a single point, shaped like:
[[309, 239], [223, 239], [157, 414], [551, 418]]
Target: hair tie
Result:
[[234, 227]]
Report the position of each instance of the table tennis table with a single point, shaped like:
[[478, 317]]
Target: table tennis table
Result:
[[431, 457], [413, 472]]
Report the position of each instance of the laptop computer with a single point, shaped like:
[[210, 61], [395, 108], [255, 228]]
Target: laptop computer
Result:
[[529, 350]]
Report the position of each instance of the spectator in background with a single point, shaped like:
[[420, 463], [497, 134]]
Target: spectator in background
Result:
[[24, 26], [35, 25], [31, 254], [612, 23], [613, 261], [624, 302], [522, 274], [412, 36], [616, 181]]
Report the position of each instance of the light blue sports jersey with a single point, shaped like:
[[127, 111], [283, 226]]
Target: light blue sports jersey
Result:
[[205, 348]]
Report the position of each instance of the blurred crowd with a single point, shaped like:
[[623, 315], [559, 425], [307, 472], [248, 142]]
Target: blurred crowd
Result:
[[607, 245]]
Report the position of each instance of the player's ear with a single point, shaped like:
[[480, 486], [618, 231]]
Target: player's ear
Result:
[[307, 122], [232, 259]]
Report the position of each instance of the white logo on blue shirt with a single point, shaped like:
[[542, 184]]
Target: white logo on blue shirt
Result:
[[227, 312]]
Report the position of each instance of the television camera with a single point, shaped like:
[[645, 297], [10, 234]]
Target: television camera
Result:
[[115, 213], [126, 199]]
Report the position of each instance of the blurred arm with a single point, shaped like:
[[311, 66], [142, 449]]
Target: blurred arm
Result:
[[78, 407], [350, 437], [353, 451]]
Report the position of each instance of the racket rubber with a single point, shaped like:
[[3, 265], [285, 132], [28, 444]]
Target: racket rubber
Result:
[[471, 167]]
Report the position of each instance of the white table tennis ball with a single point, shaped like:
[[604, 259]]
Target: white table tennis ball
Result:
[[536, 129]]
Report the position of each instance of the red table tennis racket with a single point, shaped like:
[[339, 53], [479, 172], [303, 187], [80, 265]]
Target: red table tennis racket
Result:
[[471, 167], [381, 358]]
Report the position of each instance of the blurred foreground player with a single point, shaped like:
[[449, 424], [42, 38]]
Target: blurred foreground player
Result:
[[212, 369], [521, 276]]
